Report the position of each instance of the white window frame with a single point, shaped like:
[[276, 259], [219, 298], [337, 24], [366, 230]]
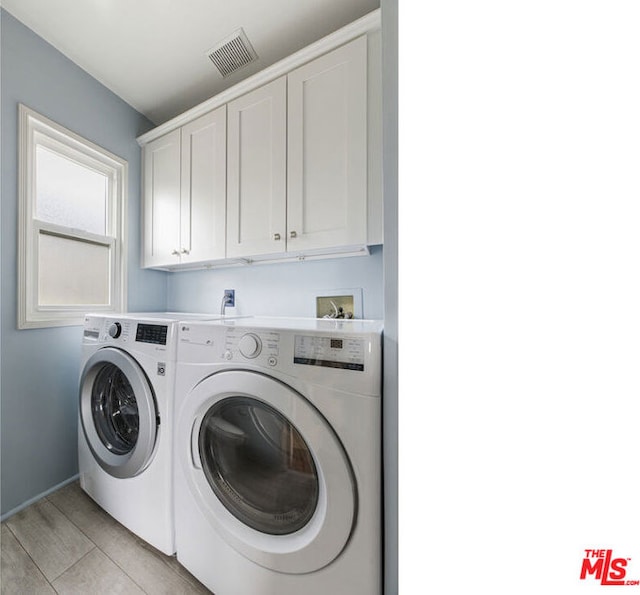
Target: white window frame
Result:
[[37, 130]]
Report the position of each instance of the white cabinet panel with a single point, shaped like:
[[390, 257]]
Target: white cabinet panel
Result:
[[162, 199], [327, 150], [256, 191], [203, 195]]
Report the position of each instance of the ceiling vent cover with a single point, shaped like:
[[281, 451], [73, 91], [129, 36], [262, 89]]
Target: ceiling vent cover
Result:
[[232, 53]]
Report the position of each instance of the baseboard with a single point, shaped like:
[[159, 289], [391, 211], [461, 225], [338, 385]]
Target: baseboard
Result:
[[33, 500]]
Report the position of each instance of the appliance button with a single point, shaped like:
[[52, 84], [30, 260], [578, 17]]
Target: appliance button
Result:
[[272, 361]]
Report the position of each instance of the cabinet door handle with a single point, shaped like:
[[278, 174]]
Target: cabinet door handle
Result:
[[184, 251], [175, 253], [293, 234], [276, 236]]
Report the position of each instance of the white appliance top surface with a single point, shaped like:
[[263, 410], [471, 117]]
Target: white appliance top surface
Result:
[[342, 326], [166, 316]]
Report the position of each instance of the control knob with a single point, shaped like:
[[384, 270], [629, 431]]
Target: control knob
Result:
[[250, 346], [115, 330]]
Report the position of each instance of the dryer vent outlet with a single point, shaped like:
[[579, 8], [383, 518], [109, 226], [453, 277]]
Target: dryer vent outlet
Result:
[[232, 53]]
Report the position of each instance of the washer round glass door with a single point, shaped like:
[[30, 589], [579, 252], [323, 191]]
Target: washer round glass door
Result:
[[118, 412], [267, 470], [258, 465]]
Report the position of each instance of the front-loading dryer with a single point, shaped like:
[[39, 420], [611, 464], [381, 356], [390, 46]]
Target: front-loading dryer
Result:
[[277, 456], [125, 428]]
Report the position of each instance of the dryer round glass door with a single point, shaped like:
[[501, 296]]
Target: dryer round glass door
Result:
[[118, 412], [258, 465], [267, 470]]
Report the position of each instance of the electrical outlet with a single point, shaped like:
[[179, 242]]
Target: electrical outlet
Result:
[[334, 306], [230, 297]]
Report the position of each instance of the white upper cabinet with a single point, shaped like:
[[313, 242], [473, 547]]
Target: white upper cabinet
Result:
[[327, 150], [297, 159], [185, 193], [286, 164], [257, 170]]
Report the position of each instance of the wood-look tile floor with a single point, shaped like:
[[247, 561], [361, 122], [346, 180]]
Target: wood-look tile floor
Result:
[[65, 543]]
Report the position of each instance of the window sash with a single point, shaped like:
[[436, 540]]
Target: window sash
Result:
[[48, 229], [81, 198]]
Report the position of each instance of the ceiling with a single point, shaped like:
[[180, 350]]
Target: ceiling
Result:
[[154, 53]]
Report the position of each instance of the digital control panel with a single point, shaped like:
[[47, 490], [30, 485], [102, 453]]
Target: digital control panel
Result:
[[152, 333], [331, 352]]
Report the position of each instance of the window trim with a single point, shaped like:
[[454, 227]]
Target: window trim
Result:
[[34, 130]]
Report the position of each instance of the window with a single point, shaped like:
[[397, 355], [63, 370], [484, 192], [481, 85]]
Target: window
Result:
[[72, 199]]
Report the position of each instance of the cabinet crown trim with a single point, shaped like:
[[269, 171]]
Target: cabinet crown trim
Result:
[[369, 23]]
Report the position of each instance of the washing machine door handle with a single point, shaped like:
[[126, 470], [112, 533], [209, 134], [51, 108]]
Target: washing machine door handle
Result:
[[195, 449]]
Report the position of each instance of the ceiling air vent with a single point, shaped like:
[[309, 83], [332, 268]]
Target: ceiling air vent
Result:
[[232, 53]]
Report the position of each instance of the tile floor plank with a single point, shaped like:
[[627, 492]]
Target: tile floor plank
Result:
[[95, 574], [49, 537], [66, 543], [149, 568], [173, 563], [18, 572]]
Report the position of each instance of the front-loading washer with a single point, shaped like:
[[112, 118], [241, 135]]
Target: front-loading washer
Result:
[[277, 456], [125, 428]]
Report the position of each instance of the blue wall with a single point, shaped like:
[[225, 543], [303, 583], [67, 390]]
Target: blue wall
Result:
[[281, 289], [39, 368]]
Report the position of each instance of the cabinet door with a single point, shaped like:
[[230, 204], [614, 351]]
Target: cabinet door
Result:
[[203, 204], [256, 192], [161, 209], [327, 150]]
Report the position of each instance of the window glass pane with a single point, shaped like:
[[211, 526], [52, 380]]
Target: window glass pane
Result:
[[70, 194], [72, 272]]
